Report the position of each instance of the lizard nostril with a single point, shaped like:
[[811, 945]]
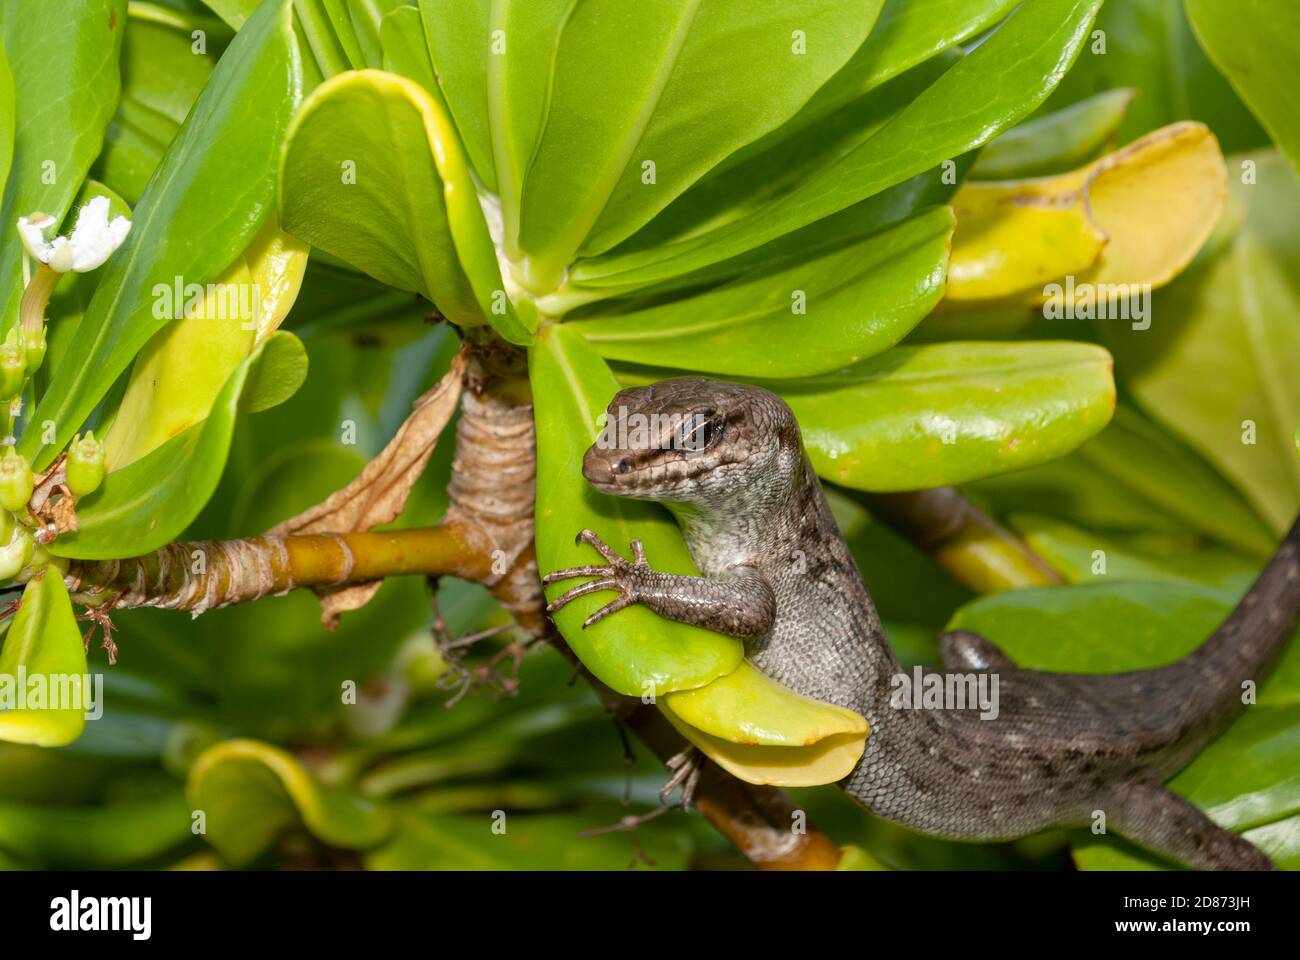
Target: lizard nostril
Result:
[[623, 466]]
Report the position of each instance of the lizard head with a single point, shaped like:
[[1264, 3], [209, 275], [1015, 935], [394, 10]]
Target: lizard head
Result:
[[690, 440]]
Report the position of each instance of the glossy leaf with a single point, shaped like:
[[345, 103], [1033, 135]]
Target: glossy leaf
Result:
[[907, 33], [1218, 367], [1149, 46], [401, 35], [1057, 141], [518, 87], [162, 76], [250, 792], [63, 60], [666, 73], [635, 651], [43, 656], [813, 316], [1133, 219], [1256, 45], [180, 372], [1006, 77], [358, 137], [460, 41], [8, 119], [926, 416], [830, 759], [149, 502], [749, 708], [233, 12], [749, 181], [198, 212]]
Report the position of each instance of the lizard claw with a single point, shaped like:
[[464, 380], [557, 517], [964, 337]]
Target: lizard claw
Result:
[[617, 574]]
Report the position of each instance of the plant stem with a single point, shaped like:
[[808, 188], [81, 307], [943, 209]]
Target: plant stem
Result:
[[208, 574], [977, 550]]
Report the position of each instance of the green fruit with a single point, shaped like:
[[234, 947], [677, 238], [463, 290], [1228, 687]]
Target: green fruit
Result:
[[16, 553], [16, 483], [85, 465]]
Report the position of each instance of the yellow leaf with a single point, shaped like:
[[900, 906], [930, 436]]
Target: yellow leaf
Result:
[[763, 732], [750, 708], [826, 761], [177, 377], [1136, 217]]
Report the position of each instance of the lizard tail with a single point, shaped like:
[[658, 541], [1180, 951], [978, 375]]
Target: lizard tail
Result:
[[1246, 644]]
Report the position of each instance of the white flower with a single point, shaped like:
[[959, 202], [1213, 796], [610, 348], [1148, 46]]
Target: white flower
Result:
[[93, 238]]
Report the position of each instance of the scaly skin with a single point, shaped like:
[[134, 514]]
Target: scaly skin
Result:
[[777, 573]]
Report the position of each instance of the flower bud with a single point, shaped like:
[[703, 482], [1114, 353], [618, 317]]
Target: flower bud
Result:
[[16, 552], [16, 483], [35, 350], [13, 365], [85, 471]]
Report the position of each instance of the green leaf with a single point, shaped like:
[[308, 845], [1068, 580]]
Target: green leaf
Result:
[[162, 76], [373, 174], [1256, 45], [150, 501], [666, 71], [1055, 142], [741, 187], [459, 38], [251, 792], [1148, 45], [105, 835], [198, 213], [634, 651], [8, 120], [401, 35], [530, 842], [233, 12], [63, 56], [1000, 82], [1219, 368], [907, 33], [918, 417], [518, 87], [43, 655], [811, 317], [1085, 556], [1139, 456]]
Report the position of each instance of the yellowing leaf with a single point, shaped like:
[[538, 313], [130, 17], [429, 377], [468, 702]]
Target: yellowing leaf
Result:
[[250, 792], [830, 759], [1136, 216], [43, 657], [177, 377], [748, 707]]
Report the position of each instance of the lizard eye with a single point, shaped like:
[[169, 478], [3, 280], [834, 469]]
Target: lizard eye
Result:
[[710, 431]]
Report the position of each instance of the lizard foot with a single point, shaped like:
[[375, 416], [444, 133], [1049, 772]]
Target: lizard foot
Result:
[[617, 573], [686, 767]]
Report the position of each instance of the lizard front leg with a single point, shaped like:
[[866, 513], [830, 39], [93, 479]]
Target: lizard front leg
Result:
[[741, 606]]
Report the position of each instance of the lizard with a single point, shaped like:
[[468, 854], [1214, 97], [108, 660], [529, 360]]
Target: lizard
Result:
[[1061, 748]]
